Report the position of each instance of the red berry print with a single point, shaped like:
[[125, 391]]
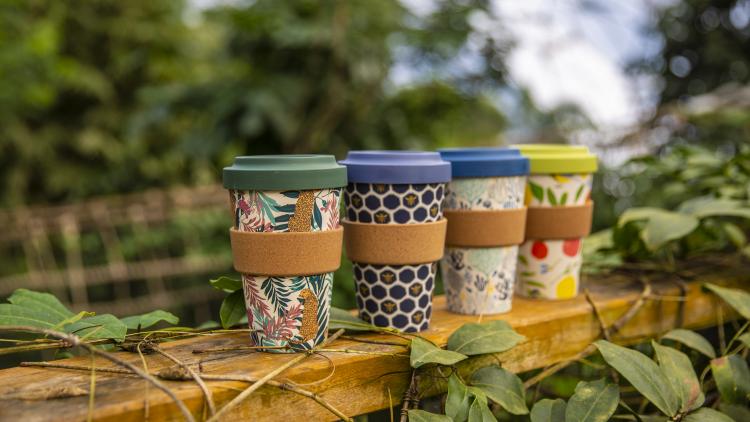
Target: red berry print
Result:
[[539, 250], [570, 247]]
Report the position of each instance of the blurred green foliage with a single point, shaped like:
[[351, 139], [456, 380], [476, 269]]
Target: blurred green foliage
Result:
[[109, 96]]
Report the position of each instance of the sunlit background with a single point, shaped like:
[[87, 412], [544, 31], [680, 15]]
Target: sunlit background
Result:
[[116, 117]]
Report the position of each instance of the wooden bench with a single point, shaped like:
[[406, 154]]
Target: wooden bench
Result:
[[361, 383]]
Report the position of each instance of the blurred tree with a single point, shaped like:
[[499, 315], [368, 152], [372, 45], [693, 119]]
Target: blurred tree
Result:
[[706, 45], [107, 96]]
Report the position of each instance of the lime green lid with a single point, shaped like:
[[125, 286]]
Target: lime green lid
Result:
[[284, 172], [555, 158]]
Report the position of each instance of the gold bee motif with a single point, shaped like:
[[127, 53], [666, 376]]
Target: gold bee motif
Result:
[[433, 210], [417, 317], [416, 289], [388, 277], [380, 188], [364, 290], [389, 306], [381, 216], [411, 199], [356, 200]]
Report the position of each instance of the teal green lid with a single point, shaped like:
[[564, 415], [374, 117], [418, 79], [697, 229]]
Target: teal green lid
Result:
[[284, 172], [556, 159]]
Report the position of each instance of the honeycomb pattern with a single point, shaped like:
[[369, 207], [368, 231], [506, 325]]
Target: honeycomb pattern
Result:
[[397, 204], [395, 296]]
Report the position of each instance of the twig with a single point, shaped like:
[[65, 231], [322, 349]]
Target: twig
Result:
[[74, 340], [235, 348], [410, 396], [243, 395], [362, 352], [597, 315], [182, 375], [196, 377], [591, 348], [372, 341], [92, 389]]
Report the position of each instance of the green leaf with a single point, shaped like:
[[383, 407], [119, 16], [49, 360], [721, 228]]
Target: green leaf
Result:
[[579, 192], [424, 352], [736, 298], [693, 340], [487, 337], [232, 309], [681, 376], [342, 319], [745, 339], [713, 207], [647, 377], [139, 322], [735, 234], [105, 326], [707, 414], [44, 304], [416, 415], [737, 412], [227, 284], [74, 318], [18, 315], [564, 199], [551, 197], [665, 227], [480, 411], [638, 213], [593, 401], [457, 401], [547, 410], [537, 191], [732, 378], [502, 387]]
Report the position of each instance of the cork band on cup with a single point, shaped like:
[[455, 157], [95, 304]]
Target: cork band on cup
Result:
[[394, 244], [485, 228], [559, 222], [286, 253]]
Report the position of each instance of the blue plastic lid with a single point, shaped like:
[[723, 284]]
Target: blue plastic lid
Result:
[[486, 162], [396, 167]]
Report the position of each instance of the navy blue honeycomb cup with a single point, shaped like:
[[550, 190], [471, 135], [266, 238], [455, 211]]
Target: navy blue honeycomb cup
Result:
[[397, 296]]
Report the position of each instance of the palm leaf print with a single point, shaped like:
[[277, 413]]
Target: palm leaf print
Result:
[[252, 296], [537, 191], [579, 192], [551, 197], [276, 293], [564, 198]]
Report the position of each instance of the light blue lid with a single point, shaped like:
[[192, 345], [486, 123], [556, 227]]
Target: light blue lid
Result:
[[485, 162]]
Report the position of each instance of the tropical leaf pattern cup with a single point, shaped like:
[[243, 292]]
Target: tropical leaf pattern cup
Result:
[[286, 193]]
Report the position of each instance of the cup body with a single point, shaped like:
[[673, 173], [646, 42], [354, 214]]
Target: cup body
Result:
[[398, 296], [550, 269], [290, 312], [480, 281]]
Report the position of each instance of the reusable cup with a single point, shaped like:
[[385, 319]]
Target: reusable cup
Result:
[[297, 196], [480, 280], [390, 188], [561, 176]]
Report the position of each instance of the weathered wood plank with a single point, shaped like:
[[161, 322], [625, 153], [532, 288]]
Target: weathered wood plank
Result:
[[359, 384]]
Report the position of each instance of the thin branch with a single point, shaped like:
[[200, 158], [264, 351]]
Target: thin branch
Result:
[[362, 352], [373, 341], [243, 395], [74, 340], [194, 375], [235, 348], [410, 396]]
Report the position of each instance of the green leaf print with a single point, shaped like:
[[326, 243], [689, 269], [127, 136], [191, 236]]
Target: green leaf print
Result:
[[522, 259], [564, 198], [579, 192], [551, 197], [537, 191], [534, 283]]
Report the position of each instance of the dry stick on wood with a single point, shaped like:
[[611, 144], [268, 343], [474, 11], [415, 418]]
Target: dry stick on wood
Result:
[[614, 328], [194, 375], [74, 340], [603, 326], [170, 374], [235, 348], [243, 395], [410, 396], [372, 341]]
